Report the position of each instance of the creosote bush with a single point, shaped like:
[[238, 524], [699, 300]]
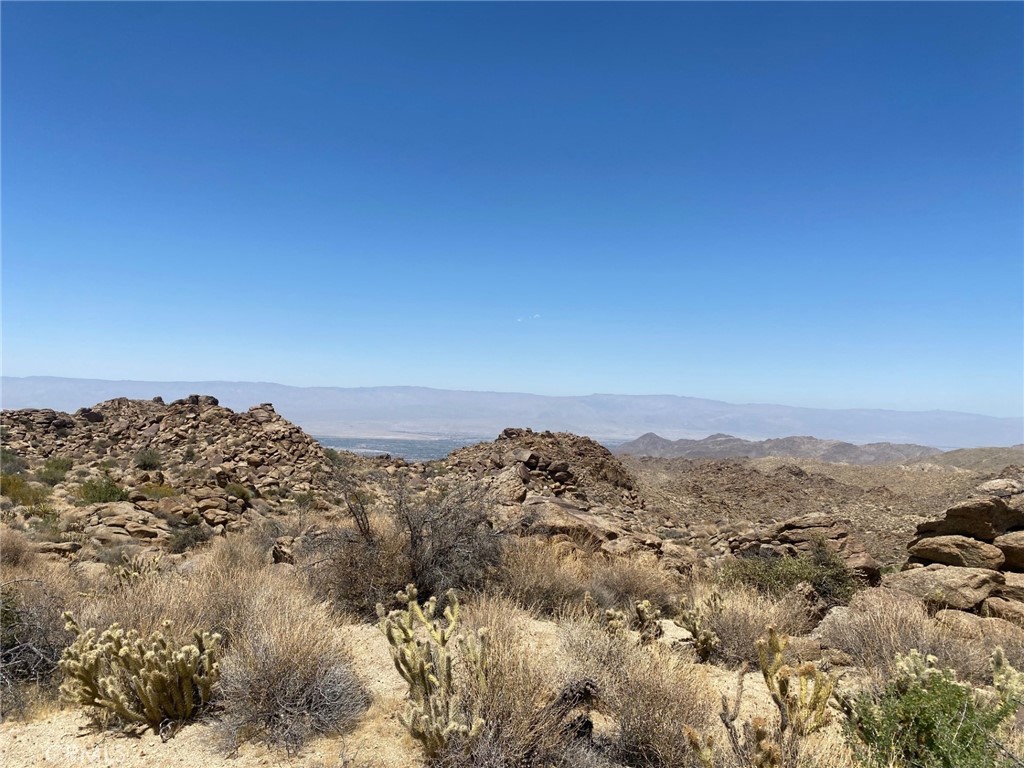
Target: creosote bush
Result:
[[822, 568], [11, 463], [148, 459], [100, 491], [54, 470], [22, 492]]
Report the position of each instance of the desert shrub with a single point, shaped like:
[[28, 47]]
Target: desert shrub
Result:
[[15, 549], [54, 470], [739, 621], [157, 491], [139, 680], [34, 593], [621, 582], [924, 718], [437, 542], [356, 572], [100, 491], [881, 625], [22, 492], [526, 719], [184, 539], [287, 676], [542, 576], [822, 568], [651, 693], [148, 459], [238, 491], [448, 537], [11, 463]]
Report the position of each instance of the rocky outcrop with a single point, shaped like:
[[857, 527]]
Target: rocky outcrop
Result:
[[800, 535], [972, 559], [948, 586], [551, 463], [187, 463]]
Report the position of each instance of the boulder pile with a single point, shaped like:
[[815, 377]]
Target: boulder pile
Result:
[[187, 463], [972, 559], [800, 535]]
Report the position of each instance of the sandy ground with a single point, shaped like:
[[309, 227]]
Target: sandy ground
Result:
[[63, 737]]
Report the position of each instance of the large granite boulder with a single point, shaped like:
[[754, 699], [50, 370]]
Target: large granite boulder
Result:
[[957, 550], [983, 519], [947, 586]]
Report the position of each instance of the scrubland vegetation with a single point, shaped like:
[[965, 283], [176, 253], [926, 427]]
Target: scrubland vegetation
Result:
[[400, 610], [515, 651]]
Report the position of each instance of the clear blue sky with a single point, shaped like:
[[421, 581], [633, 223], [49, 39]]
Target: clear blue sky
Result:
[[809, 204]]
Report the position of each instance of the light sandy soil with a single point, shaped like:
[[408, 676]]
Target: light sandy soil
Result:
[[63, 737]]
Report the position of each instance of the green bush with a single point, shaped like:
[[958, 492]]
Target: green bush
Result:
[[156, 491], [184, 539], [54, 470], [238, 491], [822, 568], [148, 459], [101, 491], [22, 492], [925, 718], [11, 463]]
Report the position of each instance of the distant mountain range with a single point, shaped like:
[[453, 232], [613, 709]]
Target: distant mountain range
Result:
[[419, 411], [727, 446]]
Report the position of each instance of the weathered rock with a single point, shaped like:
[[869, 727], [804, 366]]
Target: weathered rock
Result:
[[983, 519], [63, 548], [1001, 608], [970, 626], [957, 550], [802, 534], [1013, 588], [947, 586], [1012, 546], [1001, 487]]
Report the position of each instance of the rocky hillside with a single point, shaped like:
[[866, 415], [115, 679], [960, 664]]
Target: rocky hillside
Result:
[[728, 447], [134, 471]]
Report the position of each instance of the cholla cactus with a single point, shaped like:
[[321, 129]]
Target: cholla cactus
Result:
[[695, 619], [801, 694], [134, 569], [647, 617], [1008, 682], [615, 621], [435, 715], [144, 681]]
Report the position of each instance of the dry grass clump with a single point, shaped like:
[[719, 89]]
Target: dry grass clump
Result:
[[622, 582], [741, 618], [543, 576], [524, 724], [880, 624], [34, 593], [287, 676], [15, 549], [551, 578], [649, 692]]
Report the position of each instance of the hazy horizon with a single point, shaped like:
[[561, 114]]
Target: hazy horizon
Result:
[[815, 204]]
